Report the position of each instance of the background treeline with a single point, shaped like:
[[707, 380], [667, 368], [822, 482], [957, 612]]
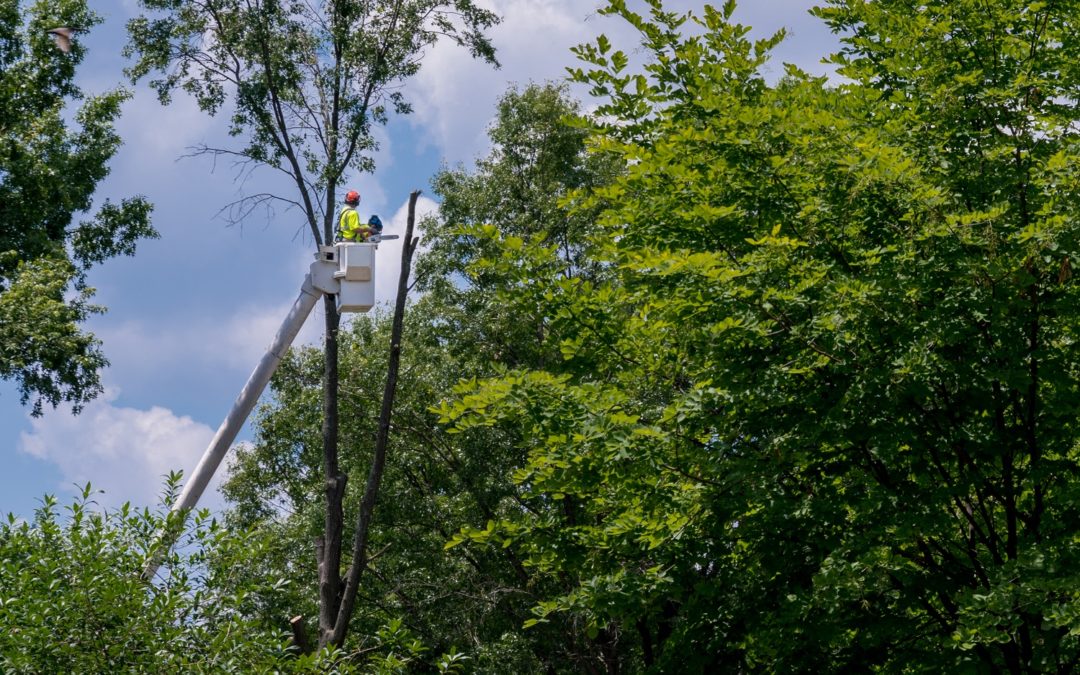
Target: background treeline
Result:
[[732, 374]]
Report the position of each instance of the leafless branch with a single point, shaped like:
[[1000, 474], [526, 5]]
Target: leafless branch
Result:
[[236, 212], [371, 490]]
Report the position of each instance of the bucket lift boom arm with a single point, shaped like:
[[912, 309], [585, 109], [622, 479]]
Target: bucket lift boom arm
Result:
[[249, 395], [344, 270]]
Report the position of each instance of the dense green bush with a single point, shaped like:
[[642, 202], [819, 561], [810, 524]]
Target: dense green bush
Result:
[[74, 600]]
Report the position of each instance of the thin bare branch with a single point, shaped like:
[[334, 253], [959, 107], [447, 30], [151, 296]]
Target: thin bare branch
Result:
[[378, 465]]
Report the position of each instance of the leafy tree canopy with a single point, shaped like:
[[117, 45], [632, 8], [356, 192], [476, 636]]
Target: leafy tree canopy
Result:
[[775, 377], [435, 482], [823, 416], [304, 83], [50, 164], [75, 601]]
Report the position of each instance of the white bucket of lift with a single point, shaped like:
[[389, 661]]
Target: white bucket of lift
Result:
[[356, 274]]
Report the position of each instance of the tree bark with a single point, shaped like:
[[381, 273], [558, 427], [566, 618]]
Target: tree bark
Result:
[[300, 638], [378, 464], [329, 552]]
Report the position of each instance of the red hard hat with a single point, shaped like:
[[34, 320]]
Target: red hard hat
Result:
[[352, 197]]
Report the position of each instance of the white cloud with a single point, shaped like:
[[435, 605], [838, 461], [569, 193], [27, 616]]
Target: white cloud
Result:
[[236, 341], [388, 264], [455, 94], [123, 451], [157, 132]]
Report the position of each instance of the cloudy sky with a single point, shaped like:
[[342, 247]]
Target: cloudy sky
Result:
[[190, 314]]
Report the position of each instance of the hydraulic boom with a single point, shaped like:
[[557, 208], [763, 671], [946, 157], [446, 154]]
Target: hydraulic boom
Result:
[[345, 270]]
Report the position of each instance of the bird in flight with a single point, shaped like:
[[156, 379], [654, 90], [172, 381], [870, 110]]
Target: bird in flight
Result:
[[63, 36]]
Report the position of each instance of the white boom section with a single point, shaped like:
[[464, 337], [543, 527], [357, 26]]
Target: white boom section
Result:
[[249, 395], [344, 270]]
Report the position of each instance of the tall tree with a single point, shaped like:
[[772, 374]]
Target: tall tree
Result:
[[304, 84], [459, 328], [538, 158], [51, 162], [821, 417]]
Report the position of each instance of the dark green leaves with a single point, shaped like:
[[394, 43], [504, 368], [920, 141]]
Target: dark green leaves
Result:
[[49, 170], [115, 231], [821, 414], [41, 347]]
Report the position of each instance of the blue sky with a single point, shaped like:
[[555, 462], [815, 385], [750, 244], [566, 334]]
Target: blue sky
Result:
[[190, 314]]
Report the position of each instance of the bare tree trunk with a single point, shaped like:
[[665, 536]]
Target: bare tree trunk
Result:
[[378, 464], [300, 637], [328, 548]]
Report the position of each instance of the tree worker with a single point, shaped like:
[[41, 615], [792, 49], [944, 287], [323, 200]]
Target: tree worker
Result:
[[349, 221], [349, 227]]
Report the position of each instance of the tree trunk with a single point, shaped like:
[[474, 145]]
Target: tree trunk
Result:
[[378, 464], [328, 549]]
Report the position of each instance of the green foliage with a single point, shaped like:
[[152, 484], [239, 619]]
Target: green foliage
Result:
[[742, 376], [50, 164], [304, 83], [41, 345], [462, 603], [821, 414], [538, 158], [73, 599], [431, 487]]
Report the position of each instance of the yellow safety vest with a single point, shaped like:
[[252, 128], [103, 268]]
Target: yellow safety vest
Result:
[[349, 224]]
